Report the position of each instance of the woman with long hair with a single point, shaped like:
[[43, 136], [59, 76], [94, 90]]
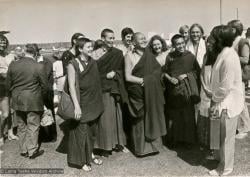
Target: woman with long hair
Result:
[[158, 47], [227, 97]]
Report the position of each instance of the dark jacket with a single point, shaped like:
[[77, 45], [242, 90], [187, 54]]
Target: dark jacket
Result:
[[27, 85], [48, 69]]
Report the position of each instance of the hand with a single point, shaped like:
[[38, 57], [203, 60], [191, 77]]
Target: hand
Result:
[[213, 108], [182, 76], [3, 75], [209, 94], [174, 80], [110, 75], [78, 113]]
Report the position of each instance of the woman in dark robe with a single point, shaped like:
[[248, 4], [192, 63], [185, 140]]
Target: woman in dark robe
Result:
[[182, 94], [88, 104]]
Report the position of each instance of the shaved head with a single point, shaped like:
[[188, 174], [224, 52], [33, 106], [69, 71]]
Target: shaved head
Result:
[[137, 35], [139, 40]]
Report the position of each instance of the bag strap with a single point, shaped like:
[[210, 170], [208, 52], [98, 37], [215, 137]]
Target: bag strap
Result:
[[77, 86], [81, 68]]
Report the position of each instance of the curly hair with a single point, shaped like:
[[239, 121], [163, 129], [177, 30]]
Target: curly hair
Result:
[[163, 42]]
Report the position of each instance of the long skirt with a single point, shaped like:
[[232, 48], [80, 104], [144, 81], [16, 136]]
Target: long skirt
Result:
[[109, 132], [142, 146], [80, 143], [181, 124], [203, 131]]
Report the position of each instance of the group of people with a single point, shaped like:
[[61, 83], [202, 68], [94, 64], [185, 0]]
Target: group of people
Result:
[[135, 95]]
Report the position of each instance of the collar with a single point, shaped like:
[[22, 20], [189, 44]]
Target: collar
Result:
[[139, 52]]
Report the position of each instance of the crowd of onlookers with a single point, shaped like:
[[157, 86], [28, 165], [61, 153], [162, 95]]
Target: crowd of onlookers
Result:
[[134, 96]]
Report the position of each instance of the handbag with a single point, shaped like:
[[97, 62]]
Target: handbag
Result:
[[217, 128], [66, 108], [214, 130], [47, 118]]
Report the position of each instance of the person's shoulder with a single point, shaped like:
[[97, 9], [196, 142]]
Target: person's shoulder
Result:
[[120, 46], [116, 50], [66, 54], [188, 53], [74, 62], [11, 56], [243, 41]]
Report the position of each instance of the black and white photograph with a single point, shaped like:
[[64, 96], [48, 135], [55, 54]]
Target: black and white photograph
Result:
[[124, 88]]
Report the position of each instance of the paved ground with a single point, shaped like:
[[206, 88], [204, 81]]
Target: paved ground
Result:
[[178, 162]]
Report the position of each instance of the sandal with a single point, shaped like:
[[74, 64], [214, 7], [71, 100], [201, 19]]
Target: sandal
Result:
[[86, 168], [97, 161]]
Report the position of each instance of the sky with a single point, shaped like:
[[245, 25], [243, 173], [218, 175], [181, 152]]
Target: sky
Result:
[[46, 21]]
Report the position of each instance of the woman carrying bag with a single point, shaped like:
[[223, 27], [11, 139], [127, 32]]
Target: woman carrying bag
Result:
[[227, 97], [88, 106]]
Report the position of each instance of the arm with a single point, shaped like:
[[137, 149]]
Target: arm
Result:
[[128, 72], [226, 80], [72, 91], [206, 90], [244, 58], [112, 73], [8, 81], [167, 76]]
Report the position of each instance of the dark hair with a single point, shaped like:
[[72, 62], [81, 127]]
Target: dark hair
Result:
[[32, 49], [106, 30], [2, 37], [237, 25], [75, 37], [212, 55], [224, 36], [80, 44], [248, 32], [181, 29], [175, 37], [157, 37], [197, 25], [100, 44], [125, 32], [227, 36]]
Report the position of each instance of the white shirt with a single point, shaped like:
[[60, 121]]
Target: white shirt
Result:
[[59, 79], [124, 49], [200, 53], [5, 62], [226, 82]]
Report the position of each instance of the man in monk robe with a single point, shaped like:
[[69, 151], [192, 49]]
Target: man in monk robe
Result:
[[146, 98], [182, 71], [110, 133]]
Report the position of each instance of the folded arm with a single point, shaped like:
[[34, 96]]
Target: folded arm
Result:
[[128, 72]]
